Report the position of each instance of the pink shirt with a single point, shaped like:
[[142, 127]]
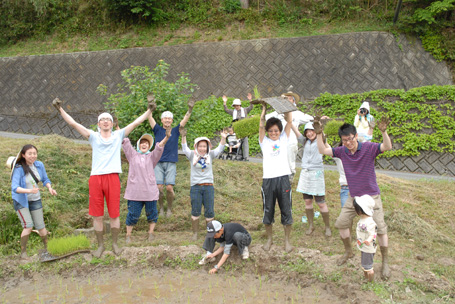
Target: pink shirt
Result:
[[141, 185]]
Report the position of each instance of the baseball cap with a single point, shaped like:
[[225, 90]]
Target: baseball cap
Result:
[[213, 227]]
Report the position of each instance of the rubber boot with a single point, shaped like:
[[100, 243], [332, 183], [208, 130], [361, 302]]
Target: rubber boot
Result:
[[24, 240], [326, 218], [385, 272], [287, 238], [160, 203], [268, 231], [99, 237], [195, 226], [347, 251], [44, 240], [114, 234], [310, 218], [170, 199]]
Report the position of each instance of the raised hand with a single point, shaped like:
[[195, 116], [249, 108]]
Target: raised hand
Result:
[[224, 134], [317, 125], [250, 97], [224, 99], [151, 102], [182, 131], [191, 104], [115, 123], [57, 103], [383, 123], [168, 132]]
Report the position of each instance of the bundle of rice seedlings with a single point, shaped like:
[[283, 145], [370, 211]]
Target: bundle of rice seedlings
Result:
[[69, 244]]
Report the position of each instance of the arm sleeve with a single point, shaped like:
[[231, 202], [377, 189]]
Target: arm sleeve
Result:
[[356, 121], [127, 148], [248, 109], [186, 150], [218, 150], [227, 248], [16, 179], [227, 110], [301, 139], [44, 179], [156, 154]]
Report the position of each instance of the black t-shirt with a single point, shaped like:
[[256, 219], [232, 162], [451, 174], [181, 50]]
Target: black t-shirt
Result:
[[229, 230]]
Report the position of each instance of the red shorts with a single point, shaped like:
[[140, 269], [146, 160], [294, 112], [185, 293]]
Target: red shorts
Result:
[[104, 186]]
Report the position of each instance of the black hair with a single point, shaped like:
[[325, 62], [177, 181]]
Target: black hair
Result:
[[358, 209], [22, 161], [273, 121], [347, 130]]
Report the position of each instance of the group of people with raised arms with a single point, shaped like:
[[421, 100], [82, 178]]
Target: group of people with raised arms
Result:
[[152, 172]]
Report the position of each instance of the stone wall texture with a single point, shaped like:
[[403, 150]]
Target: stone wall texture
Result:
[[342, 64]]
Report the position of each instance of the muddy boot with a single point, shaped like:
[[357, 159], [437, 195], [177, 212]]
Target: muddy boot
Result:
[[160, 203], [114, 234], [326, 218], [170, 199], [310, 218], [287, 238], [268, 231], [385, 271], [195, 226], [347, 251], [99, 237], [24, 240], [44, 240]]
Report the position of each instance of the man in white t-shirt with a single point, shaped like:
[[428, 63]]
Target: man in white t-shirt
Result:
[[298, 118], [104, 181], [276, 171]]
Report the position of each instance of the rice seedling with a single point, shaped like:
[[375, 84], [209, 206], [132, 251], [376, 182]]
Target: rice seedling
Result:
[[65, 245]]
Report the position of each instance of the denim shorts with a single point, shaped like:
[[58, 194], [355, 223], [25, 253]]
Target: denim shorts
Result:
[[202, 195], [165, 173], [32, 216], [344, 194], [135, 209]]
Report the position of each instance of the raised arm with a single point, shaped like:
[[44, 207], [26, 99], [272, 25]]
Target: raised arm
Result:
[[288, 118], [230, 112], [220, 147], [320, 138], [262, 123], [151, 98], [151, 107], [185, 148], [382, 126], [57, 103], [295, 130], [187, 116]]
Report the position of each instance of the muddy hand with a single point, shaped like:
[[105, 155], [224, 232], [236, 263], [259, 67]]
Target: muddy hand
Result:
[[383, 123], [182, 131], [115, 123], [191, 104], [57, 103], [317, 125], [152, 105], [168, 132]]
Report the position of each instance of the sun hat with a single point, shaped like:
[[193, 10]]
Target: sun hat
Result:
[[148, 138], [290, 93], [167, 114], [365, 202], [197, 140], [236, 102], [105, 115], [12, 161], [213, 227]]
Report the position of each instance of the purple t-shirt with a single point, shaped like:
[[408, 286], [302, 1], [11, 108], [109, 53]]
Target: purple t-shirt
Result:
[[359, 168]]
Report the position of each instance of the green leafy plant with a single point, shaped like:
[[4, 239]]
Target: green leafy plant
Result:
[[246, 127], [62, 246]]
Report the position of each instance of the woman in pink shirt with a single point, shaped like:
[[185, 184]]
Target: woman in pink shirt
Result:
[[141, 189]]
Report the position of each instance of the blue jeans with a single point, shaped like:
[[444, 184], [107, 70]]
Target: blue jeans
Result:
[[344, 194], [202, 195], [135, 209]]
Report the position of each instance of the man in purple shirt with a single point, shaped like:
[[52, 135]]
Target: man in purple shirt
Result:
[[358, 162]]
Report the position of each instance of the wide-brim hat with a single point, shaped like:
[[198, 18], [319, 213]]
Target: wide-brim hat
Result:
[[296, 96], [237, 102], [12, 161], [366, 202], [147, 137], [197, 140]]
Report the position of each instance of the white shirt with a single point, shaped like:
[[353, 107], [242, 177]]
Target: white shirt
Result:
[[275, 156], [298, 118], [106, 152]]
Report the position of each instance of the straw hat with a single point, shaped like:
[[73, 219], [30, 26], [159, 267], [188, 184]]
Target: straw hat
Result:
[[11, 162], [296, 97]]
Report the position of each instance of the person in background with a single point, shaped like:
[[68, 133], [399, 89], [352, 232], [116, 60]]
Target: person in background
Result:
[[364, 122]]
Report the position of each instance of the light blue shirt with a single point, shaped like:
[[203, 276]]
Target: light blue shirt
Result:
[[106, 152]]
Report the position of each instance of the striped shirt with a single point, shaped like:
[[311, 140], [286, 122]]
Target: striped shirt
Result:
[[359, 168]]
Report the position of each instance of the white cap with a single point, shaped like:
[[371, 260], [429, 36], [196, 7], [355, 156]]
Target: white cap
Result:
[[105, 115], [236, 102], [366, 202], [167, 114], [365, 105], [308, 126]]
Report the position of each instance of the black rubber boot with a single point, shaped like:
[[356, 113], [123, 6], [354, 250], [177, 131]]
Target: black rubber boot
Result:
[[268, 231], [347, 251]]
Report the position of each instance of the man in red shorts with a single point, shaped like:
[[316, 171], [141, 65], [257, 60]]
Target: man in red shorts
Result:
[[104, 182]]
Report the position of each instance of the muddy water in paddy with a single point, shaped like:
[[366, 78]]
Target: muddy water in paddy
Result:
[[163, 286]]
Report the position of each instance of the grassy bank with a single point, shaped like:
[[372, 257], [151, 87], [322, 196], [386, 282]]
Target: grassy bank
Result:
[[419, 215]]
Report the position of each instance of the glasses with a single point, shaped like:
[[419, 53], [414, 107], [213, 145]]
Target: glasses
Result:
[[348, 139], [105, 119]]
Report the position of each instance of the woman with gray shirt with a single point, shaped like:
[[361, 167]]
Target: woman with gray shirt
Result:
[[202, 191], [311, 181]]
